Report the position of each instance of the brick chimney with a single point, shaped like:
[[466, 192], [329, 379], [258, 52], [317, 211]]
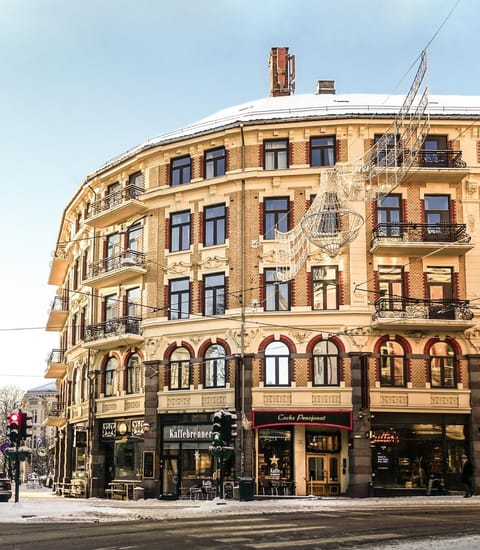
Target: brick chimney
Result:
[[325, 86], [282, 72]]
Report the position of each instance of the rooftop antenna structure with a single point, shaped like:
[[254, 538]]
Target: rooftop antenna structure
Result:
[[329, 223]]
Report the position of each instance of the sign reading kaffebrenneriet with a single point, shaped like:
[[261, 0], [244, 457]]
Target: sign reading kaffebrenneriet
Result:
[[338, 419], [196, 432]]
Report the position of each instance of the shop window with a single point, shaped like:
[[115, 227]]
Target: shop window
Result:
[[275, 457], [128, 458], [181, 170], [326, 363], [442, 366], [111, 377], [392, 364], [214, 225], [322, 442], [277, 293], [180, 369], [277, 364], [322, 151], [133, 373], [215, 367], [180, 226], [275, 154], [275, 212], [325, 287], [215, 162]]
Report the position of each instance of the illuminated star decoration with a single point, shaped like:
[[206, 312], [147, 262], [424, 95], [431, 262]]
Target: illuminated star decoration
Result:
[[274, 460], [196, 455]]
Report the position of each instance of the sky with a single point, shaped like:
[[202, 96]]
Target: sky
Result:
[[84, 81]]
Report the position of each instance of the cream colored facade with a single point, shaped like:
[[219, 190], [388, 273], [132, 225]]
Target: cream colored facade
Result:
[[115, 269]]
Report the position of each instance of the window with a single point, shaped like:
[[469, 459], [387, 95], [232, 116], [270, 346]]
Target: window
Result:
[[326, 363], [277, 364], [386, 150], [392, 364], [133, 310], [110, 312], [133, 373], [277, 293], [112, 252], [135, 185], [437, 217], [275, 154], [214, 294], [114, 195], [390, 286], [440, 292], [275, 216], [180, 231], [180, 369], [135, 238], [83, 323], [325, 287], [434, 152], [442, 365], [389, 215], [111, 377], [215, 162], [322, 151], [215, 225], [181, 170], [215, 367], [179, 307]]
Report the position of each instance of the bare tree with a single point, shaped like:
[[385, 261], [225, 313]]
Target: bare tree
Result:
[[10, 399]]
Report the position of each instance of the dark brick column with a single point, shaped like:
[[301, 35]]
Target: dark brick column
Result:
[[360, 453], [245, 459], [151, 438], [474, 429]]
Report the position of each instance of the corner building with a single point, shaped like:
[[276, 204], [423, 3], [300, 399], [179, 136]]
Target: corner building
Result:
[[363, 368]]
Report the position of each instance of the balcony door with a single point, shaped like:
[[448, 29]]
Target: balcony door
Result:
[[437, 218], [440, 292], [435, 152]]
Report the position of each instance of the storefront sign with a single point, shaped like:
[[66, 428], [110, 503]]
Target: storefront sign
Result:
[[109, 430], [187, 433], [337, 419]]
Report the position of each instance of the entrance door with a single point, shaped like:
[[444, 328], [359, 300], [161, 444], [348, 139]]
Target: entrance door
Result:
[[322, 471], [170, 477]]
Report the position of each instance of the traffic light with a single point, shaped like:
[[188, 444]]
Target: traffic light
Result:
[[14, 426], [25, 425], [217, 421]]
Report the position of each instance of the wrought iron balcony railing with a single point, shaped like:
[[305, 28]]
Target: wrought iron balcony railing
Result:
[[60, 303], [421, 232], [126, 258], [413, 308], [57, 356], [440, 158], [114, 199], [58, 410], [113, 327]]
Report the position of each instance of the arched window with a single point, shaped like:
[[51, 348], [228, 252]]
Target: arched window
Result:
[[392, 364], [442, 365], [215, 367], [133, 373], [180, 369], [326, 371], [277, 364], [111, 376]]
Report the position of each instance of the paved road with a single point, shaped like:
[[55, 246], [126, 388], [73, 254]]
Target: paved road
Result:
[[310, 530]]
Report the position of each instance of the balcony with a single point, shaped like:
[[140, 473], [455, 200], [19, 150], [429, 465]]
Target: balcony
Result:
[[57, 415], [56, 365], [58, 314], [416, 314], [124, 330], [58, 267], [441, 165], [115, 207], [116, 269], [419, 239]]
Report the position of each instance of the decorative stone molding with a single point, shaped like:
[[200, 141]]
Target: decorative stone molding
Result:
[[277, 399], [300, 336], [214, 262], [326, 399], [178, 402], [444, 401], [473, 336], [248, 336], [179, 267], [358, 336], [395, 400], [151, 347]]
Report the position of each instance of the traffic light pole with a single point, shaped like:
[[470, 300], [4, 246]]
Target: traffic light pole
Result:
[[17, 476]]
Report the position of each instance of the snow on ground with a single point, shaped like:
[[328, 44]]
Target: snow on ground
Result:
[[42, 505]]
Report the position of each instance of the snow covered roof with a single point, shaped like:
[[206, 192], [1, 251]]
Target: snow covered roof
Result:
[[46, 388], [309, 107]]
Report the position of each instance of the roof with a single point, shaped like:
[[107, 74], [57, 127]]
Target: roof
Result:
[[46, 388], [308, 107]]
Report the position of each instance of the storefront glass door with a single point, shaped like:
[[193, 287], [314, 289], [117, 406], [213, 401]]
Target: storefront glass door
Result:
[[170, 477], [322, 471]]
